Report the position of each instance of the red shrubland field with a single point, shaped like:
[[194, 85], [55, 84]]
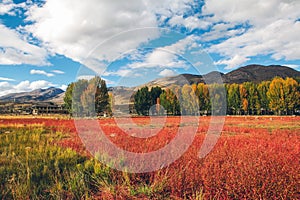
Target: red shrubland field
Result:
[[254, 158]]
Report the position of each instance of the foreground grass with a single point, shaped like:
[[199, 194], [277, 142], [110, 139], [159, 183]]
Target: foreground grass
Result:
[[255, 158], [32, 166]]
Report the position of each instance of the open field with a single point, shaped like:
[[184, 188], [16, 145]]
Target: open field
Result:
[[256, 157]]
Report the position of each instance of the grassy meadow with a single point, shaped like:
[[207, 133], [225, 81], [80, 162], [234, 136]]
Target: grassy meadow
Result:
[[255, 158]]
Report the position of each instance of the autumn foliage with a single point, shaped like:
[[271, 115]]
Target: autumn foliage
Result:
[[255, 158]]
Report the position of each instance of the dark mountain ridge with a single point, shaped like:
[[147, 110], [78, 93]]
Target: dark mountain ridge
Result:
[[249, 73], [258, 73]]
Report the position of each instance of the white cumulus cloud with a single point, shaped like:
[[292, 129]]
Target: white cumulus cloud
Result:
[[58, 71], [41, 72], [191, 22], [6, 79], [9, 7], [63, 87], [254, 28], [96, 33], [167, 56], [232, 62], [292, 66], [15, 50], [74, 28], [167, 72]]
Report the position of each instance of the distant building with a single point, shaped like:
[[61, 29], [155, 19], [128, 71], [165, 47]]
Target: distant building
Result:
[[47, 108], [6, 108], [22, 109], [31, 108]]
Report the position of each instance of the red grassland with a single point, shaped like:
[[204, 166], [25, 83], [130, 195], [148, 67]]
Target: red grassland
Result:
[[254, 158]]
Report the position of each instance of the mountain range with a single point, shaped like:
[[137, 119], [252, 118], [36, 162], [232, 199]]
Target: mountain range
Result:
[[51, 94], [249, 73]]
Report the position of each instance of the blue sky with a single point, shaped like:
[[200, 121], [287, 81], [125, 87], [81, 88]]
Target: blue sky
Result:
[[54, 42]]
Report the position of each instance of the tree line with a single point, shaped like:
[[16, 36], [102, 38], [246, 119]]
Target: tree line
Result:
[[278, 96], [176, 100], [88, 98], [156, 102]]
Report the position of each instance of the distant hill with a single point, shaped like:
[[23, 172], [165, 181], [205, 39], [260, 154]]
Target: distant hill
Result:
[[51, 94], [250, 73], [258, 73]]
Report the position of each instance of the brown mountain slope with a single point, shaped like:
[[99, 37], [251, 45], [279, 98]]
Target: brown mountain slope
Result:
[[258, 73], [250, 73], [38, 95]]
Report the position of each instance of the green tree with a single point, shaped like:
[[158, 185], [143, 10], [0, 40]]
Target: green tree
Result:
[[142, 101], [68, 97], [218, 98], [233, 98], [170, 102], [252, 97], [79, 87], [154, 94], [262, 90], [189, 100], [87, 98], [244, 98], [297, 106], [102, 100], [202, 92], [291, 94]]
